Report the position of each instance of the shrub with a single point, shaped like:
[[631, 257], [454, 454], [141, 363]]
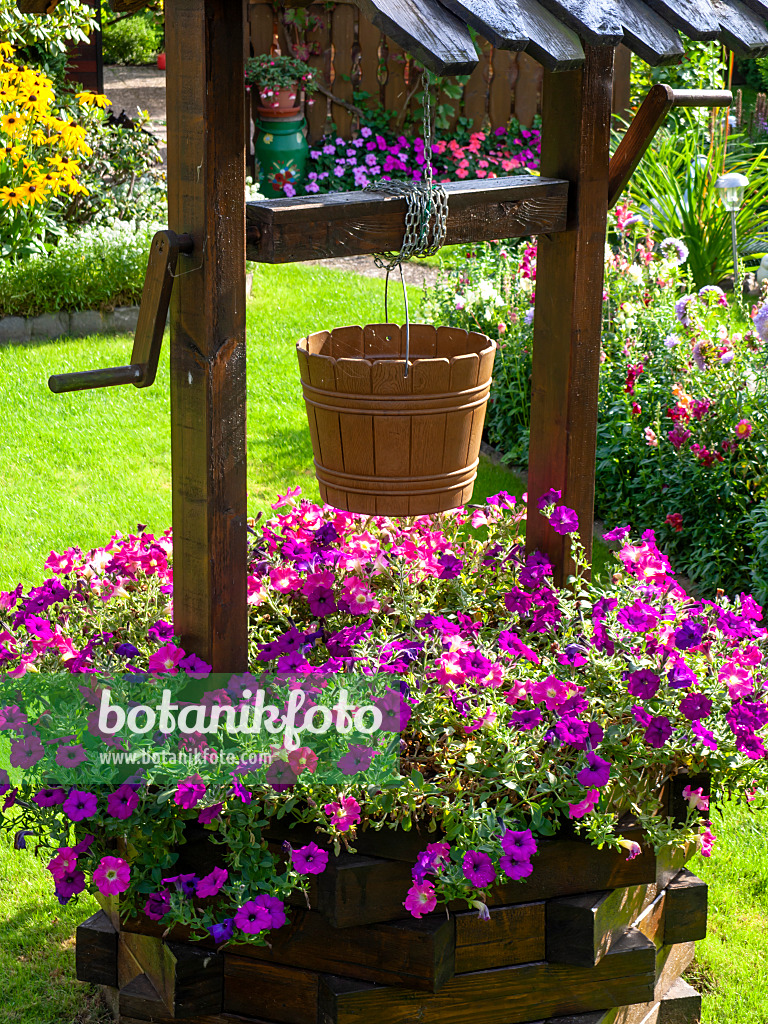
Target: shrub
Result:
[[136, 39], [682, 441], [44, 42], [514, 707], [99, 268]]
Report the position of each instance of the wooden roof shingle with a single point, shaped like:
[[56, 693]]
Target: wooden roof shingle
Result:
[[551, 31]]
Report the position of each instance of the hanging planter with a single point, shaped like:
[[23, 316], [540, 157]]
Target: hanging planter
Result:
[[387, 443]]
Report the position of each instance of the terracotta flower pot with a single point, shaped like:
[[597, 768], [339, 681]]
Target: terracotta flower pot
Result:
[[280, 99]]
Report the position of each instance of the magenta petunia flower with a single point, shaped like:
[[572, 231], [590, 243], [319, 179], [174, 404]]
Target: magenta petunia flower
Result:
[[309, 859], [189, 792], [166, 660], [64, 861], [637, 617], [357, 759], [478, 869], [80, 805], [207, 815], [71, 756], [642, 683], [252, 918], [596, 773], [123, 802], [564, 520], [210, 884], [585, 805], [274, 908], [550, 497], [515, 869], [49, 797], [186, 884], [26, 752], [112, 876], [520, 846], [421, 899], [344, 814]]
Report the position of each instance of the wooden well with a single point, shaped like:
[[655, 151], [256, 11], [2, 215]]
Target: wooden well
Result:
[[387, 443]]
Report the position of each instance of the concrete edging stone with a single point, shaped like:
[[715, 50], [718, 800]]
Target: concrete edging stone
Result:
[[49, 326]]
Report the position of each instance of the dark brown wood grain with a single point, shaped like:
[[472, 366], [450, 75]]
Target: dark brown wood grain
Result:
[[595, 22], [741, 29], [356, 223], [188, 980], [581, 929], [695, 18], [36, 6], [680, 1004], [513, 935], [685, 916], [273, 992], [410, 953], [647, 34], [96, 951], [427, 30], [504, 996], [206, 181], [569, 304]]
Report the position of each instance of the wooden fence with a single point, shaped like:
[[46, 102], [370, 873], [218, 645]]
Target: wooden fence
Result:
[[352, 55]]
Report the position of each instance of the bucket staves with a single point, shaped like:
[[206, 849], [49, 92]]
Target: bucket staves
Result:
[[387, 444]]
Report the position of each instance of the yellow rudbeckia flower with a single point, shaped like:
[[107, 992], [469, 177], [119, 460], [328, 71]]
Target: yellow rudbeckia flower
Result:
[[95, 99], [11, 197], [33, 191]]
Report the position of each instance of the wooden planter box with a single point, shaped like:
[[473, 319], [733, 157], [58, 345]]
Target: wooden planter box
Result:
[[590, 938]]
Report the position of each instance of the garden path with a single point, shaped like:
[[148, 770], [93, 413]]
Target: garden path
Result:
[[131, 89]]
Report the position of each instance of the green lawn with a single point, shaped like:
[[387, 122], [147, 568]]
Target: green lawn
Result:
[[76, 468]]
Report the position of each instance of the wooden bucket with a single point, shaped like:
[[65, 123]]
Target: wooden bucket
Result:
[[387, 444]]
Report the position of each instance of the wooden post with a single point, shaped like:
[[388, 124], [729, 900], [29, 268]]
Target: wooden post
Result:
[[569, 302], [206, 199]]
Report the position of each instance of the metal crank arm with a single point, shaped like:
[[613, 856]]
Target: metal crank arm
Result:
[[148, 340]]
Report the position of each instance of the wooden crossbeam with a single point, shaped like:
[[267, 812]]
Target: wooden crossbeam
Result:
[[361, 223], [647, 121]]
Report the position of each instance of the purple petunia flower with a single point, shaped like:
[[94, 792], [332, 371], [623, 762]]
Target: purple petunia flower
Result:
[[451, 567], [49, 797], [695, 706], [520, 846], [158, 904], [564, 520], [690, 634], [706, 737], [186, 884], [252, 918], [207, 815], [309, 859], [68, 885], [572, 731], [658, 732], [223, 931], [550, 497], [515, 869], [680, 676], [357, 759], [189, 792], [525, 720], [71, 756], [478, 869], [80, 805], [123, 802], [642, 683], [12, 717], [210, 884], [596, 773]]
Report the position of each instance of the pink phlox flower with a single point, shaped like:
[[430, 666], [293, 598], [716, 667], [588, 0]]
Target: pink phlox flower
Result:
[[112, 876]]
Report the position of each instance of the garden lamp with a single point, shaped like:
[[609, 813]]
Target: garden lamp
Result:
[[731, 187]]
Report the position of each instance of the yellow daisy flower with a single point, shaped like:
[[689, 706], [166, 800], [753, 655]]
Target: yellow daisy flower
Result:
[[13, 124], [96, 99], [6, 50], [33, 192], [11, 197]]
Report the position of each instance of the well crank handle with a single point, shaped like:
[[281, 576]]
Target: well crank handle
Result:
[[148, 340]]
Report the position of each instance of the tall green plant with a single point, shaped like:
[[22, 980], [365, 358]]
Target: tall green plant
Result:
[[674, 191]]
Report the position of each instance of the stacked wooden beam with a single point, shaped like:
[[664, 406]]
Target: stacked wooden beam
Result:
[[590, 938]]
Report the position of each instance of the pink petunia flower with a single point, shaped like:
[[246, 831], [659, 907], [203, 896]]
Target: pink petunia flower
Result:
[[166, 660], [584, 806], [345, 814], [112, 876], [421, 899]]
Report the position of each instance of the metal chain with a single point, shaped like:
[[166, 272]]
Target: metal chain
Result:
[[426, 217]]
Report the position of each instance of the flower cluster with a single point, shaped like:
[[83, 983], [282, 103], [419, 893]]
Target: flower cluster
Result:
[[338, 165], [271, 73], [41, 149], [519, 707]]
